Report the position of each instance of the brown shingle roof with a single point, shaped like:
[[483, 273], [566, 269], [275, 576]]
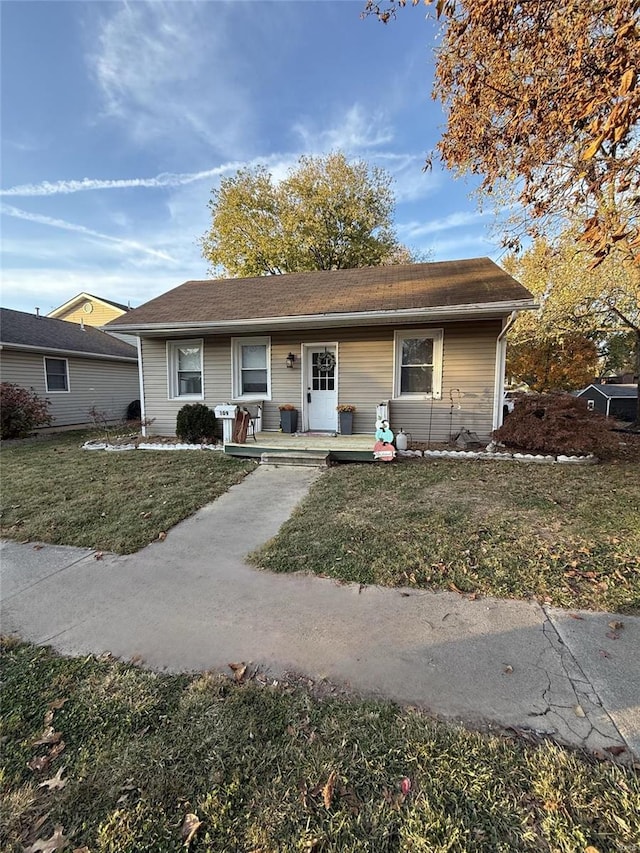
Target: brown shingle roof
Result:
[[478, 281]]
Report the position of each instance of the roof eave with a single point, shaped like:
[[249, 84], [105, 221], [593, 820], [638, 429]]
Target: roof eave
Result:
[[355, 318], [66, 352]]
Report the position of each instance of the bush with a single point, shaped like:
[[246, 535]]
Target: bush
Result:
[[21, 411], [556, 423], [195, 422]]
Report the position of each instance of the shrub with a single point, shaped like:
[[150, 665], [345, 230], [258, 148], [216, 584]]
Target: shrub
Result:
[[195, 422], [556, 423], [21, 411]]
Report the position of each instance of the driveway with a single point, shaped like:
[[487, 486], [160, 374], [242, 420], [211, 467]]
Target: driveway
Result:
[[192, 603]]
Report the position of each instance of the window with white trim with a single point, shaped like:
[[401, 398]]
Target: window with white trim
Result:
[[184, 364], [56, 374], [418, 363], [251, 368]]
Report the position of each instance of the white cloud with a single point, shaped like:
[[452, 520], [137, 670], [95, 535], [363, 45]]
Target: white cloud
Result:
[[460, 219], [122, 244], [355, 131], [165, 70]]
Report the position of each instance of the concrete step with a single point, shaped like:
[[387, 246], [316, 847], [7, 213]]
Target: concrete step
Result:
[[313, 458]]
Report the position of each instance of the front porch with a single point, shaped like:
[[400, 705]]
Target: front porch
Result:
[[339, 448]]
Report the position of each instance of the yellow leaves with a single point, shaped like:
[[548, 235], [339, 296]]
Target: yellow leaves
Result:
[[627, 81], [329, 788], [592, 149], [190, 826]]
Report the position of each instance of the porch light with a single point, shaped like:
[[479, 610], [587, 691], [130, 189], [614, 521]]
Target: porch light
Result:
[[290, 359]]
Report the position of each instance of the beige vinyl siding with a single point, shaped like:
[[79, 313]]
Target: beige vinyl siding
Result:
[[100, 315], [109, 386], [365, 358], [216, 381]]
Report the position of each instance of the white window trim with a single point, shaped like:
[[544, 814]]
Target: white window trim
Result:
[[236, 389], [66, 390], [437, 336], [172, 368]]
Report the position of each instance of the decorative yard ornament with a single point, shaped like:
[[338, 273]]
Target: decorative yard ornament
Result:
[[383, 449]]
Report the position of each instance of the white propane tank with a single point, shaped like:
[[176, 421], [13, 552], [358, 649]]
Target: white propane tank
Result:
[[401, 440]]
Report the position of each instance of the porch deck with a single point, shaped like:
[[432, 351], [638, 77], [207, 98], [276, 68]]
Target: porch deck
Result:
[[342, 448]]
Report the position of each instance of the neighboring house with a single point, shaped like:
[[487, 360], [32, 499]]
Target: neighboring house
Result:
[[89, 309], [76, 368], [615, 401], [427, 338]]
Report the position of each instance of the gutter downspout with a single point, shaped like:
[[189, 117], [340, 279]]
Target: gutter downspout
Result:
[[143, 416], [501, 363]]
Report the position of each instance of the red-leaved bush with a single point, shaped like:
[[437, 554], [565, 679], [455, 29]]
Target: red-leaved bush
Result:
[[556, 423], [21, 411]]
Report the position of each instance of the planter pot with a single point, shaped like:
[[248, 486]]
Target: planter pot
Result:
[[346, 423], [289, 421]]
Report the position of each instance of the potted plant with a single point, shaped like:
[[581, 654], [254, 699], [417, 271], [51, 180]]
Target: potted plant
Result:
[[288, 417], [345, 415]]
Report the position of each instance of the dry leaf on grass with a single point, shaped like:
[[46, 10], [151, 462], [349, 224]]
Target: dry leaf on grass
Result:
[[98, 555], [189, 828], [49, 845], [239, 670], [39, 763], [329, 788], [57, 704], [56, 750], [162, 536], [55, 782], [405, 785], [48, 736]]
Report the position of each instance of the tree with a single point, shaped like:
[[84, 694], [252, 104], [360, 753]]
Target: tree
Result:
[[548, 364], [576, 299], [541, 99], [326, 214]]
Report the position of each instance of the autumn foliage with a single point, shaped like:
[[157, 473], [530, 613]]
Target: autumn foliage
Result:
[[554, 365], [556, 424], [21, 411]]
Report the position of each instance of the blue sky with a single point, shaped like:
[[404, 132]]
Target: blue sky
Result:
[[119, 118]]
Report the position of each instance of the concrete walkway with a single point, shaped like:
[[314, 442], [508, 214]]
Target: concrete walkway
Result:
[[192, 603]]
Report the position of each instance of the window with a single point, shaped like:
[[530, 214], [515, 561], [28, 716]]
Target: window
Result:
[[185, 369], [251, 359], [56, 374], [418, 363]]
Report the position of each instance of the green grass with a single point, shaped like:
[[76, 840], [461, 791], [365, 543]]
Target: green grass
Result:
[[143, 750], [53, 491], [567, 535]]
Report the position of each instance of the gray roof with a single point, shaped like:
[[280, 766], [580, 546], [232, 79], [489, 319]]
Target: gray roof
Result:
[[614, 391], [27, 331]]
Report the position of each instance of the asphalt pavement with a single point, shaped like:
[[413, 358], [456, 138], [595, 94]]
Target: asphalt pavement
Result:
[[191, 603]]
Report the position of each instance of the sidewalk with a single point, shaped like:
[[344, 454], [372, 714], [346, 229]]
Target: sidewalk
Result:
[[191, 603]]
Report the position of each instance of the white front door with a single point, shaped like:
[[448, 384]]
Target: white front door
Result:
[[322, 388]]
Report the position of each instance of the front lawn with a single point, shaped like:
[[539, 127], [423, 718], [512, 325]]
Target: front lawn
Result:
[[566, 534], [53, 491], [114, 759]]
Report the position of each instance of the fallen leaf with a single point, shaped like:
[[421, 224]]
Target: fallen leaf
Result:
[[162, 536], [508, 669], [48, 717], [48, 736], [98, 555], [39, 763], [81, 850], [604, 654], [591, 849], [55, 783], [57, 704], [189, 828], [616, 750], [327, 791], [56, 750], [239, 670], [405, 785], [579, 711], [49, 845], [38, 547], [612, 635], [575, 616], [615, 625]]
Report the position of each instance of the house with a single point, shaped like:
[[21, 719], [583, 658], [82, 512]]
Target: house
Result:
[[90, 309], [428, 339], [75, 367], [612, 400]]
